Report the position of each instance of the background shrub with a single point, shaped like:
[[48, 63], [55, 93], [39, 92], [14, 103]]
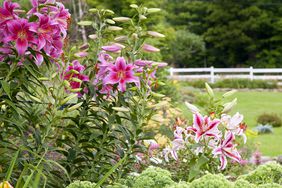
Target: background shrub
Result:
[[268, 173], [264, 129], [271, 119], [211, 181]]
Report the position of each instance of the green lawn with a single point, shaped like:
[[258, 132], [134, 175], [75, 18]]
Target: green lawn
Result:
[[252, 104]]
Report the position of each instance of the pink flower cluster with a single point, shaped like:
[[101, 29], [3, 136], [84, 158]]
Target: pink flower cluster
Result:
[[119, 72], [43, 29], [216, 136], [74, 75]]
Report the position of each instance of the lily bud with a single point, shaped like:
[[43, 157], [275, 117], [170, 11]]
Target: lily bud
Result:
[[76, 80], [93, 10], [192, 108], [159, 64], [149, 48], [121, 19], [81, 54], [84, 46], [121, 109], [74, 107], [43, 79], [66, 83], [135, 36], [229, 106], [155, 34], [74, 71], [229, 93], [142, 17], [114, 28], [109, 11], [75, 90], [85, 23], [93, 36], [121, 38], [134, 6], [153, 10], [65, 100], [158, 95], [109, 21], [35, 98], [112, 48], [209, 90]]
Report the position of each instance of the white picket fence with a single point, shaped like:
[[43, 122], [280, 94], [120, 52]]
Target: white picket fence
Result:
[[212, 74]]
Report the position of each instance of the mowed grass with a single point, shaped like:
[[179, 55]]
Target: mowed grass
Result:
[[252, 104]]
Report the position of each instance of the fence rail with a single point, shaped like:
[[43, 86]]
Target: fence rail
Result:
[[212, 74]]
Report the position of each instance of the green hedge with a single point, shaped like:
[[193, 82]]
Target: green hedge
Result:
[[265, 176], [234, 83]]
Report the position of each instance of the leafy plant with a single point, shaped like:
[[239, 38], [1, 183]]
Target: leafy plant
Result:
[[271, 119], [264, 129]]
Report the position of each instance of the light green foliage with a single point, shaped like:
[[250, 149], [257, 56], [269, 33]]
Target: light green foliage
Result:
[[153, 177], [270, 185], [81, 184], [181, 184], [267, 173], [243, 183], [211, 181]]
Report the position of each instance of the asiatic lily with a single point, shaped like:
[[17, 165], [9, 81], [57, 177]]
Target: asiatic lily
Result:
[[20, 33], [234, 124], [121, 73], [227, 149], [204, 126]]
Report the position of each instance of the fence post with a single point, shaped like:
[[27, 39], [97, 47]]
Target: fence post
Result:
[[171, 72], [212, 75], [251, 73]]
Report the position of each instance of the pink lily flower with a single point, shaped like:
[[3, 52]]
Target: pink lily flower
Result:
[[44, 30], [234, 123], [121, 73], [7, 11], [20, 33], [227, 149], [204, 126]]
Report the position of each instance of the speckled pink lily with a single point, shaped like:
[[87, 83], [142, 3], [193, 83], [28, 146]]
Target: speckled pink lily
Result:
[[121, 73], [227, 149], [234, 124], [20, 33], [204, 126]]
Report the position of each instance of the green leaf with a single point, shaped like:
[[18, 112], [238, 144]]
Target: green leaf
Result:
[[6, 87], [10, 170]]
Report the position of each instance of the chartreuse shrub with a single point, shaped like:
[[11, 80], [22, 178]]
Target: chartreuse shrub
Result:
[[81, 184], [153, 177], [211, 181], [243, 183], [267, 173]]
